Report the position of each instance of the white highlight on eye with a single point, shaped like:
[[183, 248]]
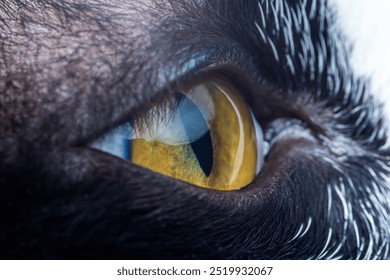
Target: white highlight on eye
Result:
[[184, 125], [240, 149], [262, 145]]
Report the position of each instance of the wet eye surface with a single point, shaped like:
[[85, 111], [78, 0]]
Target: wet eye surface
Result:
[[205, 135]]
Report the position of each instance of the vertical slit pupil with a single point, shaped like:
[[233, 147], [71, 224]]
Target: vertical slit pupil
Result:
[[202, 147], [203, 150], [127, 149]]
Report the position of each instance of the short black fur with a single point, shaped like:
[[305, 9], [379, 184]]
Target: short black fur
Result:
[[70, 72]]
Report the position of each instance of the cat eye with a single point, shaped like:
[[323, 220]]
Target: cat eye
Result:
[[205, 135]]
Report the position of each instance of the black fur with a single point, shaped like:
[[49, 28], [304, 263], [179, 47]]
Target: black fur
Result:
[[70, 72]]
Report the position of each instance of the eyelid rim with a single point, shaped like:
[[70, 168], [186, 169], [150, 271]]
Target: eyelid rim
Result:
[[201, 70], [233, 67]]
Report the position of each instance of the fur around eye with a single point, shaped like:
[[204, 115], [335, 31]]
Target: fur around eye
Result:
[[72, 71]]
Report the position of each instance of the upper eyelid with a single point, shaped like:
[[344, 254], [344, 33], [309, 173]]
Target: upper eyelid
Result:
[[167, 74], [191, 68], [171, 77]]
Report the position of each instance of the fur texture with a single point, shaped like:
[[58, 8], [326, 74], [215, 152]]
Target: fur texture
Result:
[[69, 72]]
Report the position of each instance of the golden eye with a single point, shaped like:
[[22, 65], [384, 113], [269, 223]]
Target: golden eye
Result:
[[205, 136]]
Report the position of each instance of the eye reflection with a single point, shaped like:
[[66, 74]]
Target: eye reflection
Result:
[[205, 136]]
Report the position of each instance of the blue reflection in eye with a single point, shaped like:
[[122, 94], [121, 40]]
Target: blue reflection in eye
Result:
[[197, 131], [187, 123], [117, 142], [191, 118]]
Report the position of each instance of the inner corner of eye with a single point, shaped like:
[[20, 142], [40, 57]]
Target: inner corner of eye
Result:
[[206, 136]]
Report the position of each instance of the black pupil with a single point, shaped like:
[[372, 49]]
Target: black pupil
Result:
[[203, 147]]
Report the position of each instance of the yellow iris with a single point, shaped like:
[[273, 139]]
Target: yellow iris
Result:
[[209, 140]]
